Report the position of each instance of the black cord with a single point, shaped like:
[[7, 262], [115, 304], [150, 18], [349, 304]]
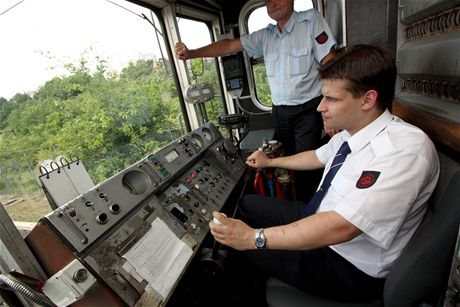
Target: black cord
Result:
[[11, 7], [241, 140]]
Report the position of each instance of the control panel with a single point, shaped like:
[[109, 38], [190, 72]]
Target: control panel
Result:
[[179, 185]]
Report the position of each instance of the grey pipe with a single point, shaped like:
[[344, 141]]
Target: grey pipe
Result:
[[27, 292]]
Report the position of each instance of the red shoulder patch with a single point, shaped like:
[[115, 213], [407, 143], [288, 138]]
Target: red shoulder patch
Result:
[[367, 179], [322, 38]]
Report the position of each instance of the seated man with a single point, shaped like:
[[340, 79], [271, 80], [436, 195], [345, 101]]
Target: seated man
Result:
[[372, 196]]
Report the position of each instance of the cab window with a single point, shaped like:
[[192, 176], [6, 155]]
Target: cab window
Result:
[[87, 80], [202, 70]]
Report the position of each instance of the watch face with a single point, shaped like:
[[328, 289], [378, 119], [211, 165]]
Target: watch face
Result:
[[260, 239], [260, 243]]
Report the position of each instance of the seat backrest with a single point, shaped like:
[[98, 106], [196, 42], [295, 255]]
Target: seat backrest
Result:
[[421, 273]]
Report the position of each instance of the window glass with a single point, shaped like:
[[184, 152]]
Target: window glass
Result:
[[196, 34], [257, 20], [79, 78]]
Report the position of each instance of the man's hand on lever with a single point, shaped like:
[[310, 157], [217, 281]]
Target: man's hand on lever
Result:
[[258, 159], [232, 232]]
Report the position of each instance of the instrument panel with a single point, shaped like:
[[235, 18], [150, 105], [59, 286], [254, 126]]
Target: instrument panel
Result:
[[171, 192]]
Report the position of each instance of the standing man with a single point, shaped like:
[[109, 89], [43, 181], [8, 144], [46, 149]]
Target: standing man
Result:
[[379, 174], [293, 50]]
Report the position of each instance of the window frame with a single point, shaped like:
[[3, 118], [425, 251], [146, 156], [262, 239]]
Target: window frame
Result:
[[243, 19]]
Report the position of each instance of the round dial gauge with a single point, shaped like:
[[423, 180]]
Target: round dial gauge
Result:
[[197, 141], [207, 134]]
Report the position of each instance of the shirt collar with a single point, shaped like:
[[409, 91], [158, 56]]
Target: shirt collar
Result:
[[291, 22], [365, 135]]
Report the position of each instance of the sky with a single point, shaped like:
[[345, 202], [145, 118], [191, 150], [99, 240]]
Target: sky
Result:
[[38, 37]]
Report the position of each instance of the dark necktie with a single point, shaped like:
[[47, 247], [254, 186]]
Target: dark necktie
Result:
[[315, 201]]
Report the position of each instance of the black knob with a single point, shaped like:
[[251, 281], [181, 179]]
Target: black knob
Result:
[[229, 147]]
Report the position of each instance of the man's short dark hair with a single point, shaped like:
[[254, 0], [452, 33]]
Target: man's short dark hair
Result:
[[365, 68]]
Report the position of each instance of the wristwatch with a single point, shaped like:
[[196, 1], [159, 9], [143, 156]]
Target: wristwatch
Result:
[[260, 241]]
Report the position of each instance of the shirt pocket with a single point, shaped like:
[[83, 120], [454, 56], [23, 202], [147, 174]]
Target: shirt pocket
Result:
[[340, 187], [271, 63], [298, 61]]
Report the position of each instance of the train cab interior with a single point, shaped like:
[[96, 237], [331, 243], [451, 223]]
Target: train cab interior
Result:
[[140, 236]]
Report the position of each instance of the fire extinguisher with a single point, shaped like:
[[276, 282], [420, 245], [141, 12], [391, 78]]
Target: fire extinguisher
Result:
[[274, 182]]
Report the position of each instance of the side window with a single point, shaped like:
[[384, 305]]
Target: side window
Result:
[[86, 79], [259, 19], [202, 70]]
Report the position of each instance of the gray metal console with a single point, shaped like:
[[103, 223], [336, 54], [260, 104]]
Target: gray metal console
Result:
[[181, 184]]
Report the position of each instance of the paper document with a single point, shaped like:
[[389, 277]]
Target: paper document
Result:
[[159, 257]]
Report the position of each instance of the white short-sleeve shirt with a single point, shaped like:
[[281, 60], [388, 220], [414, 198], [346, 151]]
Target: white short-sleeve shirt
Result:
[[292, 57], [382, 188]]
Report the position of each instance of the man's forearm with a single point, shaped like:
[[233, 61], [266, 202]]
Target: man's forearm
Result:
[[219, 48], [319, 230], [306, 160]]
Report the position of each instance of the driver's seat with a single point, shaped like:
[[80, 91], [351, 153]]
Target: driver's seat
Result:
[[420, 275]]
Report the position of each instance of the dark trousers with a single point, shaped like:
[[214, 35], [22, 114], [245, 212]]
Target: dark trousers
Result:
[[299, 128], [321, 271]]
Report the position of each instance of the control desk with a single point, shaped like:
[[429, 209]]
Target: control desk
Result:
[[137, 231]]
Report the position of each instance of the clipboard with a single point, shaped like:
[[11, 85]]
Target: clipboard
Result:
[[63, 181]]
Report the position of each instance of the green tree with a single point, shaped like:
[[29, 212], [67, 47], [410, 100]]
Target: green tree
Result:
[[108, 120], [262, 86], [5, 109]]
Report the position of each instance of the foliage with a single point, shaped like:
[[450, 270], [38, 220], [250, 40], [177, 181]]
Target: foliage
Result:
[[108, 120], [262, 86], [7, 106]]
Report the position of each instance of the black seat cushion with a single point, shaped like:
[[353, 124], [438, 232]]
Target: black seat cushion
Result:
[[421, 273]]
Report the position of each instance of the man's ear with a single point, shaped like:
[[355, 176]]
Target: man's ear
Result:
[[369, 99]]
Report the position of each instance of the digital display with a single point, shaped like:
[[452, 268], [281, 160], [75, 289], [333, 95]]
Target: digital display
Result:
[[171, 156], [234, 84], [232, 66]]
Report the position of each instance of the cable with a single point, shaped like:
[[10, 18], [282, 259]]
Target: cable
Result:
[[246, 176], [27, 292], [152, 23], [124, 8], [11, 7], [243, 136]]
